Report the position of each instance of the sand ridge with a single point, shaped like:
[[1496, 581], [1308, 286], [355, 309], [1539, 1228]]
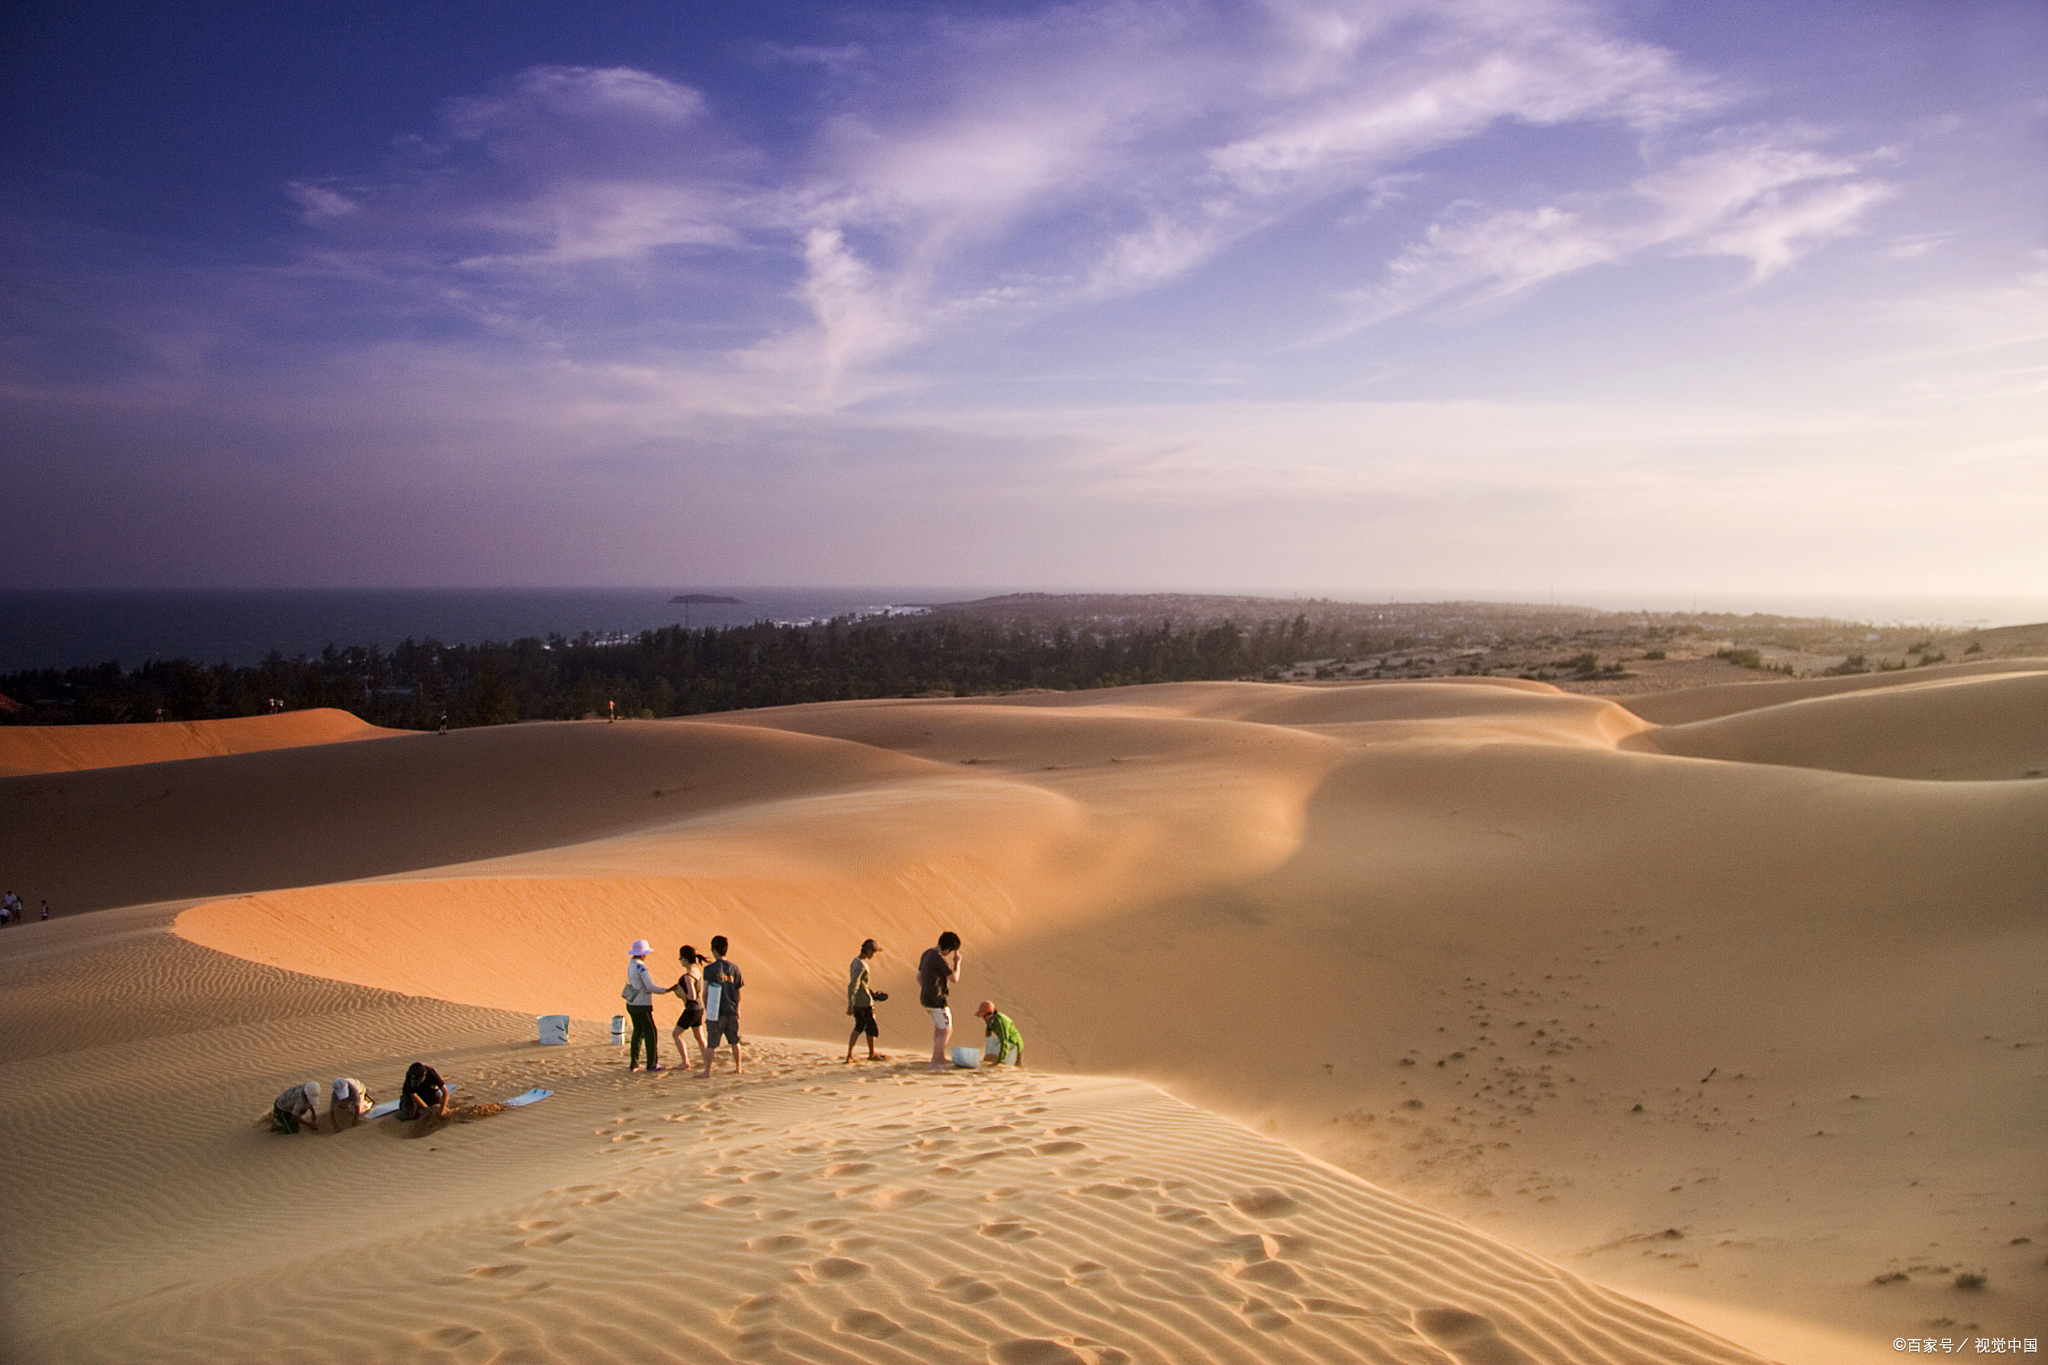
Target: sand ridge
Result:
[[71, 748]]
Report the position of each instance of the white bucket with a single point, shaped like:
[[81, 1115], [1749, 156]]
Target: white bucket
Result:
[[618, 1028], [554, 1028], [967, 1058]]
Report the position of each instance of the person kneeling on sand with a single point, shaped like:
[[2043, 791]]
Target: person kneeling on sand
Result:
[[689, 989], [424, 1094], [349, 1102], [639, 996], [298, 1107], [860, 1001], [722, 982], [938, 971], [1004, 1043]]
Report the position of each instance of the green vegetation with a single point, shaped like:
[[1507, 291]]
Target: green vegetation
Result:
[[674, 671]]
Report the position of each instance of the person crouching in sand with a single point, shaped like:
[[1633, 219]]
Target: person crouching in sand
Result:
[[1003, 1043], [938, 971], [347, 1103], [298, 1107], [689, 990], [424, 1094], [860, 1001]]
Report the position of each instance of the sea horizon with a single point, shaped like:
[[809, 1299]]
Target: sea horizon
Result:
[[80, 627]]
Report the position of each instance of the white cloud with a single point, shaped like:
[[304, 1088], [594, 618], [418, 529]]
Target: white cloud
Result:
[[1762, 198]]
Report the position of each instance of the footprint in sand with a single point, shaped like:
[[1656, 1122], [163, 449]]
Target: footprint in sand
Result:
[[492, 1272], [604, 1198], [1265, 1317], [863, 1323], [1106, 1191], [828, 1226], [453, 1336], [776, 1245], [1061, 1148], [1044, 1351], [1468, 1338], [540, 1223], [728, 1201], [839, 1268], [966, 1288], [849, 1168], [1273, 1275], [1264, 1202], [1006, 1232], [548, 1239]]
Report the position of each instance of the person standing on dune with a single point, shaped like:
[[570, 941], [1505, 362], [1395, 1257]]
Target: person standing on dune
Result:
[[689, 991], [722, 982], [860, 1001], [639, 997], [938, 971]]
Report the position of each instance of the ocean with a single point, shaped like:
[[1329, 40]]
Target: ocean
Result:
[[67, 629]]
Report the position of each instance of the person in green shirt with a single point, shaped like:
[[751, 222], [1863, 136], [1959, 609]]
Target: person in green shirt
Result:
[[1004, 1043]]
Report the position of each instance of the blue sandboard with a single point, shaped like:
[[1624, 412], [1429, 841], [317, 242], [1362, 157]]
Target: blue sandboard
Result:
[[530, 1097]]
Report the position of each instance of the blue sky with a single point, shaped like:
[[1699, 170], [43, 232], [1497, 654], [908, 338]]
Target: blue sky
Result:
[[1356, 297]]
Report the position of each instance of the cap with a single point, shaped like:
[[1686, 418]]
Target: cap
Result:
[[639, 948], [984, 1009]]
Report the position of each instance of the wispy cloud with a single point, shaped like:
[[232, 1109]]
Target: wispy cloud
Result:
[[1763, 196], [986, 169]]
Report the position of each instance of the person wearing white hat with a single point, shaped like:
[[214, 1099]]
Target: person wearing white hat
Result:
[[639, 997]]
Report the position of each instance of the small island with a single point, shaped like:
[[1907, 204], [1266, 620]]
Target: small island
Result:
[[698, 599]]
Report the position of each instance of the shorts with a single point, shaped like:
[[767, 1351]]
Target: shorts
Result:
[[941, 1017], [864, 1021], [693, 1015], [725, 1026]]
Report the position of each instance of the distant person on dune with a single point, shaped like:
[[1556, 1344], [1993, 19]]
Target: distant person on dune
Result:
[[423, 1094], [689, 992], [298, 1107], [46, 910], [347, 1103], [10, 909], [938, 971], [639, 996], [860, 1001], [722, 983], [1003, 1043]]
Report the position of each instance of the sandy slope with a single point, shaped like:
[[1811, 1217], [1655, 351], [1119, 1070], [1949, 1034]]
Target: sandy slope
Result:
[[804, 1212], [68, 748], [1445, 935]]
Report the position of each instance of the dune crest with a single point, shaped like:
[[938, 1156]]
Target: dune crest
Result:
[[71, 748]]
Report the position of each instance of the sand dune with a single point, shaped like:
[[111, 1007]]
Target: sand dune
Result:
[[805, 1211], [1978, 727], [1725, 699], [68, 748], [1705, 1011]]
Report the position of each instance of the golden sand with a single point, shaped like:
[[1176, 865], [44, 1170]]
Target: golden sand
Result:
[[1382, 1021]]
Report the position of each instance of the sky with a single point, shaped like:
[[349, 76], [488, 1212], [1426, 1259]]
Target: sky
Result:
[[1356, 296]]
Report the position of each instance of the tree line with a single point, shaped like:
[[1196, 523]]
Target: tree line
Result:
[[676, 671]]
